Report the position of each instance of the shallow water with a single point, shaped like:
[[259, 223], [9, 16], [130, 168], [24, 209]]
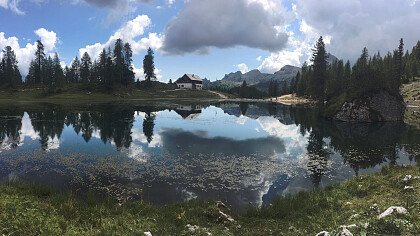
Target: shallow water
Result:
[[241, 154]]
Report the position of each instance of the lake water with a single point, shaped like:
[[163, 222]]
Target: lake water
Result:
[[240, 154]]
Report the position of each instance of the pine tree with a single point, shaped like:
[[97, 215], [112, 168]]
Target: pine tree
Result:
[[347, 71], [85, 68], [317, 82], [399, 64], [75, 70], [31, 76], [58, 72], [128, 66], [149, 66], [40, 61], [9, 71], [102, 66], [108, 80], [119, 61]]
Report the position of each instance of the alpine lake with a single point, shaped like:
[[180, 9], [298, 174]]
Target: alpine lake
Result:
[[243, 154]]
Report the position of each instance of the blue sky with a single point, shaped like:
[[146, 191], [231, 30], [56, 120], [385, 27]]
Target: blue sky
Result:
[[208, 37]]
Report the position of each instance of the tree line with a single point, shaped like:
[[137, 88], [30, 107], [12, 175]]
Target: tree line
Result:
[[10, 76], [113, 68], [323, 81], [110, 69]]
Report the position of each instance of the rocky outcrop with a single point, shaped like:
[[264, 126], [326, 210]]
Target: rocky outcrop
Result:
[[380, 106]]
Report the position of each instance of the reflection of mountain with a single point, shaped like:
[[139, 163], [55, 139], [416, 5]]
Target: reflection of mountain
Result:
[[177, 141], [189, 112], [255, 110]]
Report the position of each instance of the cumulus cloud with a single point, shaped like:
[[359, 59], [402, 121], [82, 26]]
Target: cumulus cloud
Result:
[[139, 74], [377, 24], [299, 49], [202, 24], [347, 27], [243, 68], [27, 53], [129, 32], [116, 8]]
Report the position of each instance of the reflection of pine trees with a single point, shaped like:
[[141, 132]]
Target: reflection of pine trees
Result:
[[149, 125], [272, 109], [114, 124], [367, 145], [243, 106], [318, 156], [48, 124], [10, 125]]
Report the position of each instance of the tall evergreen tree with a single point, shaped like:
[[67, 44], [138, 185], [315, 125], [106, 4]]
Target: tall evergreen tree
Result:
[[40, 61], [102, 66], [149, 66], [119, 61], [9, 70], [398, 68], [85, 68], [317, 83], [58, 71], [75, 70], [128, 66]]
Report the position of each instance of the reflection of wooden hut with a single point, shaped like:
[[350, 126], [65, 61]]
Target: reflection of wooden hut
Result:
[[189, 81], [189, 112]]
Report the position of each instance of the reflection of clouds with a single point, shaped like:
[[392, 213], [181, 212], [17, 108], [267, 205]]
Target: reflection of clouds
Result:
[[27, 129], [242, 120], [137, 153], [138, 135], [53, 144], [295, 143], [5, 145]]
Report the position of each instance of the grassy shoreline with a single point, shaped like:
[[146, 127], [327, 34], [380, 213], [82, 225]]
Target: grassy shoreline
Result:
[[27, 209]]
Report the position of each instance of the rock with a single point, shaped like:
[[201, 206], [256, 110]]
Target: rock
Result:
[[323, 233], [407, 178], [147, 234], [225, 217], [192, 228], [352, 226], [221, 205], [375, 208], [409, 188], [391, 210], [345, 232], [354, 216], [380, 106]]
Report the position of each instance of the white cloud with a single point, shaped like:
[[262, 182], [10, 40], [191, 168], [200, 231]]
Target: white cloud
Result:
[[297, 143], [140, 74], [203, 24], [298, 51], [129, 32], [352, 25], [243, 68], [13, 5], [27, 53]]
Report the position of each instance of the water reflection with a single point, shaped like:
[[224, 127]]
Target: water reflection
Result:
[[239, 153]]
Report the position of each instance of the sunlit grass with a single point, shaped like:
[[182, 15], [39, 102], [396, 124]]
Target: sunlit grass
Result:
[[29, 209]]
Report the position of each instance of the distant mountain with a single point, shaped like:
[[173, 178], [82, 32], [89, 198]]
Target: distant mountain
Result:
[[331, 58], [258, 79], [261, 80]]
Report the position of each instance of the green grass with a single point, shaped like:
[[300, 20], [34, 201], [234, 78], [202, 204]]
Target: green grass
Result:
[[36, 210], [76, 94]]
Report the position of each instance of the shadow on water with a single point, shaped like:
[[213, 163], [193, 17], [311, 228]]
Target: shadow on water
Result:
[[244, 153]]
